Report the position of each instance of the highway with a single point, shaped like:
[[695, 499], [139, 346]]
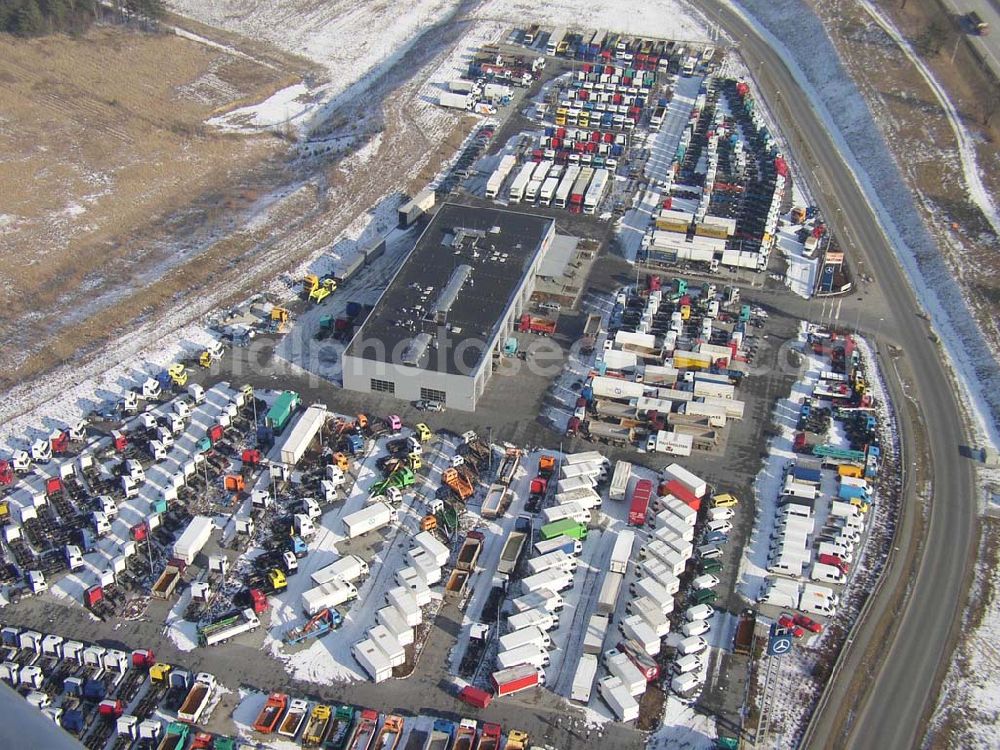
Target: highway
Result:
[[905, 687]]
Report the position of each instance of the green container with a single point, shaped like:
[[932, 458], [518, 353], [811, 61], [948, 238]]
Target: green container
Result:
[[567, 526], [703, 596], [279, 414]]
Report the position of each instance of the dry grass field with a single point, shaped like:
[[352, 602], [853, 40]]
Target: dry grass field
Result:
[[103, 152]]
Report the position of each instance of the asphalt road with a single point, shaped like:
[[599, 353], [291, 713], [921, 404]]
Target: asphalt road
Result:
[[989, 11], [903, 692]]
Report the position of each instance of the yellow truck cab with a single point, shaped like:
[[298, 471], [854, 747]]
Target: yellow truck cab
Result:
[[423, 432]]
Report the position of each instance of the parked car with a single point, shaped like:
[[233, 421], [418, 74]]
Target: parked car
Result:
[[423, 405], [808, 623], [787, 622], [715, 537]]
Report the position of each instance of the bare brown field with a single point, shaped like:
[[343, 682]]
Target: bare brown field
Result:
[[101, 138]]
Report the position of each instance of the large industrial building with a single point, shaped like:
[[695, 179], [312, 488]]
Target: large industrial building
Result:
[[449, 307]]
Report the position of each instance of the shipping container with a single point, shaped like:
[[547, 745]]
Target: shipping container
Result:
[[583, 678], [607, 600]]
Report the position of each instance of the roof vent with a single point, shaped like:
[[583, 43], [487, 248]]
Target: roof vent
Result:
[[416, 349]]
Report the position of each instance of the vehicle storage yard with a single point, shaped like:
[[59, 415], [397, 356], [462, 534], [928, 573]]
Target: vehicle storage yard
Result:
[[666, 503]]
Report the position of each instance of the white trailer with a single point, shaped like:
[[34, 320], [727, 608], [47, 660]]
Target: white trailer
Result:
[[406, 604], [527, 654], [565, 543], [552, 580], [586, 497], [594, 635], [566, 186], [574, 483], [619, 480], [537, 618], [585, 457], [426, 567], [695, 484], [194, 538], [387, 644], [548, 191], [615, 694], [247, 624], [499, 175], [583, 679], [598, 470], [348, 569], [369, 518], [650, 611], [532, 635], [667, 520], [327, 596], [621, 666], [569, 510], [300, 437], [394, 622], [454, 100], [653, 567], [372, 660], [521, 180], [541, 599], [687, 514], [621, 553], [652, 588], [430, 544], [637, 629], [558, 560], [596, 192], [607, 599]]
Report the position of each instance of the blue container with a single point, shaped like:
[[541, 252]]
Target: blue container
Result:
[[94, 690], [550, 131], [850, 492], [588, 393], [72, 720]]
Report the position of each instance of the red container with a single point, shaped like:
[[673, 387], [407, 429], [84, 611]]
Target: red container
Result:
[[250, 457], [639, 504], [143, 657], [139, 531], [53, 485], [508, 681], [683, 494], [475, 697], [60, 443]]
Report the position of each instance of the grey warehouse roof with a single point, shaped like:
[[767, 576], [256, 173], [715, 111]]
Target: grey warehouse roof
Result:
[[441, 310]]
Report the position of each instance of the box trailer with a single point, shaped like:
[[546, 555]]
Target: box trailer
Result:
[[615, 694], [413, 209], [620, 479], [455, 100], [586, 498], [302, 434], [667, 520], [635, 627], [372, 660], [687, 514], [620, 666], [652, 612], [611, 586], [585, 457], [542, 599], [621, 553], [387, 644], [566, 527], [596, 470], [527, 654], [406, 604], [348, 569], [558, 560], [327, 596], [583, 679], [560, 543], [553, 580], [538, 618], [574, 483], [596, 632], [639, 495], [657, 591], [369, 518], [393, 621], [516, 679], [432, 546], [532, 635], [695, 484], [571, 511], [194, 538]]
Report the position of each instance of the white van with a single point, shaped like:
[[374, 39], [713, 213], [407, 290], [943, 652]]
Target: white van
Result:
[[794, 509], [828, 573], [694, 644], [698, 612], [685, 683], [818, 607], [686, 664]]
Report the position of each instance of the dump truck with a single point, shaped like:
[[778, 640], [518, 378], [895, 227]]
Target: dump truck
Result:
[[388, 736], [274, 708], [166, 584], [458, 484], [457, 581], [497, 495], [340, 728], [197, 698], [176, 736], [465, 736], [469, 552], [298, 709], [364, 732], [315, 729], [516, 740], [441, 735], [511, 552], [489, 738]]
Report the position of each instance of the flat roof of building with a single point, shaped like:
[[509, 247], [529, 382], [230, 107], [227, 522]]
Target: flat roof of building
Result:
[[441, 310]]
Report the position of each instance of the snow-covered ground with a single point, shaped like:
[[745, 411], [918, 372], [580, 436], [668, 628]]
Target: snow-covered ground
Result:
[[667, 19], [793, 29], [347, 39]]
